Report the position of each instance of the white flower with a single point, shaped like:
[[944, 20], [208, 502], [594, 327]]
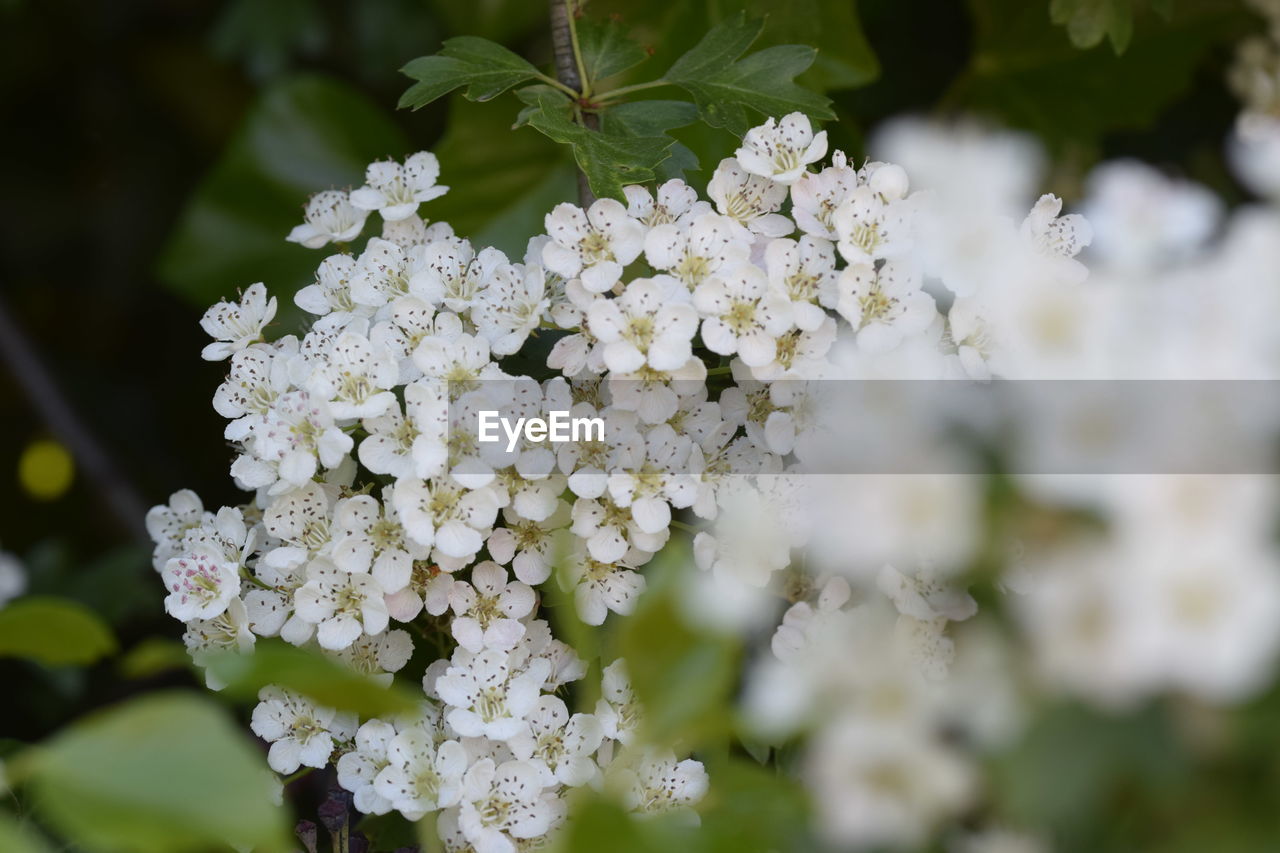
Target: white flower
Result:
[[452, 275], [656, 782], [368, 538], [743, 315], [501, 802], [643, 326], [235, 325], [511, 307], [661, 479], [694, 251], [200, 584], [420, 776], [456, 358], [355, 378], [228, 631], [871, 226], [599, 587], [395, 191], [330, 217], [805, 273], [300, 733], [654, 395], [749, 200], [409, 321], [343, 605], [882, 785], [297, 430], [330, 294], [442, 514], [618, 710], [595, 245], [610, 531], [487, 697], [167, 524], [781, 150], [884, 306], [816, 196], [560, 746], [381, 274], [358, 768], [528, 545], [801, 354], [487, 611], [412, 444], [379, 657], [676, 201], [258, 376], [1059, 238], [301, 522]]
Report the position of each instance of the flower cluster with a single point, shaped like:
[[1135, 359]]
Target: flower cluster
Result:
[[696, 329]]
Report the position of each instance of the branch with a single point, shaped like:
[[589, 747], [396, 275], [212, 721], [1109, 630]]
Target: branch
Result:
[[42, 390], [563, 42]]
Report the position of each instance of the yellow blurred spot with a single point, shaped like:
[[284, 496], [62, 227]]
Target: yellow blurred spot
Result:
[[45, 470]]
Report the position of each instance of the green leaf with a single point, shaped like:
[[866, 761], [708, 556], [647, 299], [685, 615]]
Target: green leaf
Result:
[[753, 808], [606, 50], [845, 59], [647, 118], [311, 673], [654, 119], [1088, 21], [485, 68], [608, 161], [153, 656], [683, 677], [168, 772], [1025, 72], [305, 134], [597, 823], [53, 631], [726, 87], [503, 183], [17, 838]]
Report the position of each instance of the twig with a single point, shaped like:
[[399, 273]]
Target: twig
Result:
[[42, 390], [564, 39]]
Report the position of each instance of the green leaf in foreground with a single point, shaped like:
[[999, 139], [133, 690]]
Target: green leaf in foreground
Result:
[[725, 87], [168, 772], [683, 677], [16, 838], [485, 68], [53, 631], [322, 679], [608, 161]]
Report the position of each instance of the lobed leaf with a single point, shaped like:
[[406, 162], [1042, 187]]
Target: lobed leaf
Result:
[[609, 162], [725, 87], [485, 68], [606, 50]]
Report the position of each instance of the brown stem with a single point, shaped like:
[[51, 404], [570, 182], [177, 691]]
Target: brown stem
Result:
[[42, 390], [567, 73]]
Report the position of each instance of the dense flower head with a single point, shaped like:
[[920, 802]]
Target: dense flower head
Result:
[[699, 329]]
